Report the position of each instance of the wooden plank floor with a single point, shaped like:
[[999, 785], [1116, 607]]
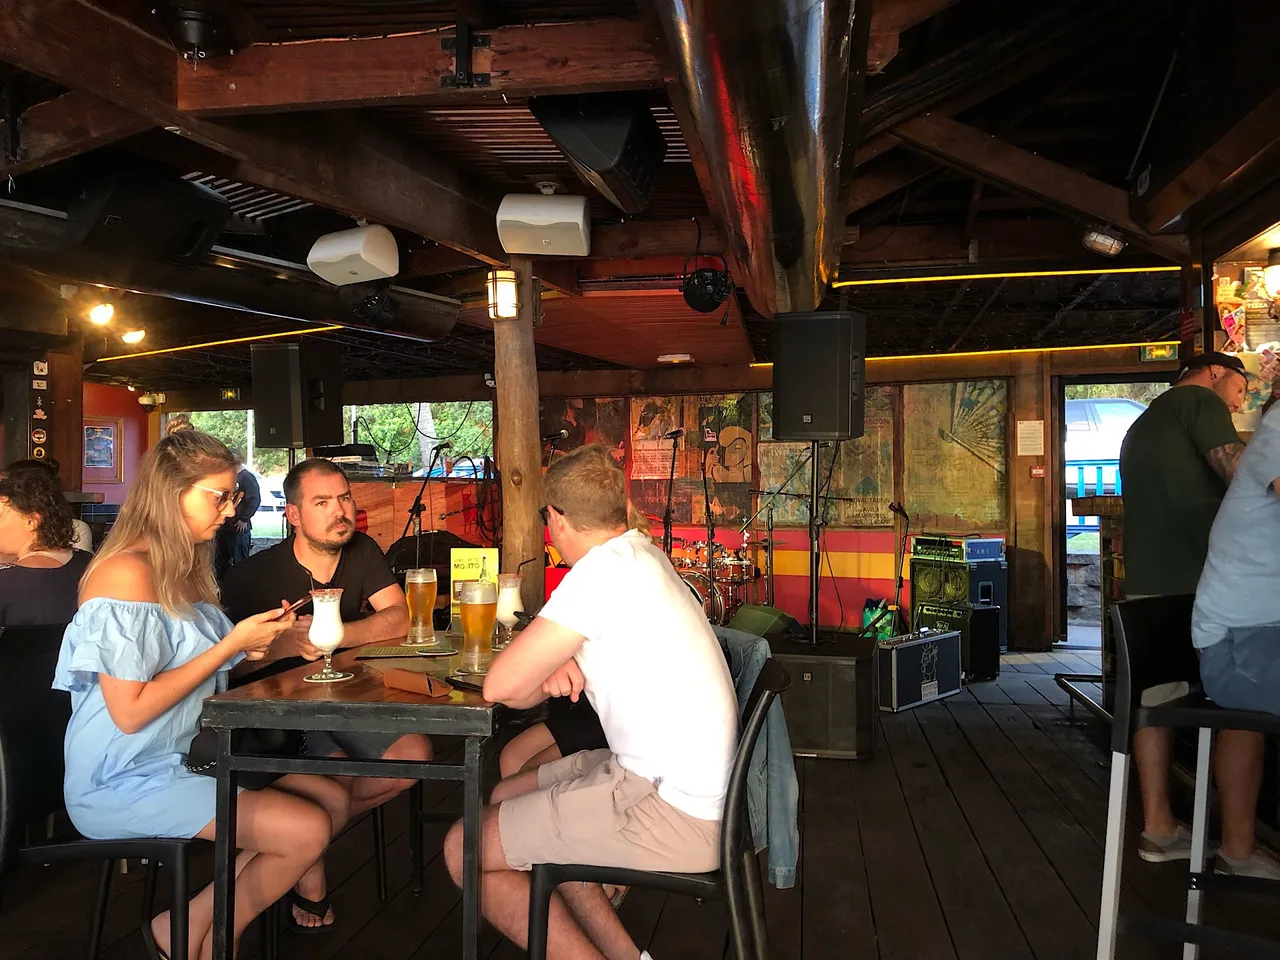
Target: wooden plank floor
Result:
[[975, 833]]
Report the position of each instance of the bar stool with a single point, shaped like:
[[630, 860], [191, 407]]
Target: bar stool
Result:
[[738, 879], [1153, 646]]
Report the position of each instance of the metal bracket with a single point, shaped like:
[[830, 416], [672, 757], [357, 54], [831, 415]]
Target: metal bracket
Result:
[[462, 43], [12, 122]]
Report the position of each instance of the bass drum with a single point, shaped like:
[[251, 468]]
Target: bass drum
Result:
[[713, 607]]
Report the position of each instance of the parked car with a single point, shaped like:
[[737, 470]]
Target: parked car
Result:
[[1095, 432], [468, 468]]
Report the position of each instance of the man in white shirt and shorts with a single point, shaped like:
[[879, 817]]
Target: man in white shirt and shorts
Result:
[[623, 630]]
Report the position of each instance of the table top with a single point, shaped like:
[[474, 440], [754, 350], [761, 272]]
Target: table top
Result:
[[365, 704]]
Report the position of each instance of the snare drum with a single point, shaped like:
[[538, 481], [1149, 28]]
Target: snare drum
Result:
[[713, 608]]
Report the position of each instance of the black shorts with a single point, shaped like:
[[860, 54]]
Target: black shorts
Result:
[[574, 726]]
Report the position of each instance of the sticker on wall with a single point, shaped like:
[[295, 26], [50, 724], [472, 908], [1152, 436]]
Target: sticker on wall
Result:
[[38, 453], [40, 368], [39, 384], [38, 436], [39, 414]]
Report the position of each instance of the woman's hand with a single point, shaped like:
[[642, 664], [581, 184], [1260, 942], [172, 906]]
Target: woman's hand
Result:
[[254, 635], [567, 681]]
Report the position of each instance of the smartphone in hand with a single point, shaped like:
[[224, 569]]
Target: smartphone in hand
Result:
[[294, 607]]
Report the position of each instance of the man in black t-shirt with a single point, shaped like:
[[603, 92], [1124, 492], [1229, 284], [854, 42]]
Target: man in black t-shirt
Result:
[[325, 550]]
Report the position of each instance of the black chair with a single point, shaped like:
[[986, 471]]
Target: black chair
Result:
[[738, 879], [33, 722], [1153, 646]]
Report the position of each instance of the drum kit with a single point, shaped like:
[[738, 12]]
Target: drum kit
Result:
[[737, 575]]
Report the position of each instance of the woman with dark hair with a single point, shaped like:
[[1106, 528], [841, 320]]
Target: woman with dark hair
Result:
[[39, 568]]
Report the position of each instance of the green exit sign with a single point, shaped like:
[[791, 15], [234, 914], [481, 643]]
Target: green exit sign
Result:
[[1153, 352], [229, 393]]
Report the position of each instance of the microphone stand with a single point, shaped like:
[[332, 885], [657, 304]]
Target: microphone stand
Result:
[[666, 514], [416, 509], [711, 543], [815, 549], [768, 505]]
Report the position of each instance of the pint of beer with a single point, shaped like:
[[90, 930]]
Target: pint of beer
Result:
[[479, 604], [420, 591]]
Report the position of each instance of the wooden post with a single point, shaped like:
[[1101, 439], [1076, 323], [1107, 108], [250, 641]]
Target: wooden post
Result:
[[518, 442], [1029, 548]]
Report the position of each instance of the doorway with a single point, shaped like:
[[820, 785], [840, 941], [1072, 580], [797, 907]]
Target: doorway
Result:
[[1096, 414]]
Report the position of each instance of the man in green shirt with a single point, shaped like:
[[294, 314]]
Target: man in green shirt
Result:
[[1176, 463]]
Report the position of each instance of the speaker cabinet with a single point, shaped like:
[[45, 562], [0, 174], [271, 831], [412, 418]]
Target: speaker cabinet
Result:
[[297, 395], [131, 216], [611, 140], [978, 582], [979, 628], [830, 705], [819, 362], [762, 621]]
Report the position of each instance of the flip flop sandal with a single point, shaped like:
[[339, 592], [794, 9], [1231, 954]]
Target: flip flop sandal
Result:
[[619, 895], [149, 941], [317, 908]]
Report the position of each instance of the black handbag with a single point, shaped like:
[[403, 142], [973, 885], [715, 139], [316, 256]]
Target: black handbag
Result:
[[202, 754]]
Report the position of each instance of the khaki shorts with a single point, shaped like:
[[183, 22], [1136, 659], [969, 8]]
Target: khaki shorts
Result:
[[589, 809]]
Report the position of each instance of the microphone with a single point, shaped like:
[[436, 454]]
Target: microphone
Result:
[[444, 446], [558, 435], [897, 508], [674, 434]]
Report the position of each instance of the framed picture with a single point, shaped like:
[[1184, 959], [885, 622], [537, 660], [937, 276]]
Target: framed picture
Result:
[[103, 450]]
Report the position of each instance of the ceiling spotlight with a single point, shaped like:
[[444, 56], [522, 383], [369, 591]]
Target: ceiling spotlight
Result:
[[1271, 275], [133, 336], [1103, 241], [130, 387], [100, 314]]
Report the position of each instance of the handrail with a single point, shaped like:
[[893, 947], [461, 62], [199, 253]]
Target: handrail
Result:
[[1096, 486]]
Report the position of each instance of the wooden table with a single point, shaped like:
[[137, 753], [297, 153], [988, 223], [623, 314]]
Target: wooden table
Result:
[[365, 705]]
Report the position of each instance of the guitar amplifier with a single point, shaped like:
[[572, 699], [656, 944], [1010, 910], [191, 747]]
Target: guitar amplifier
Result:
[[951, 582], [917, 668], [830, 706], [979, 628]]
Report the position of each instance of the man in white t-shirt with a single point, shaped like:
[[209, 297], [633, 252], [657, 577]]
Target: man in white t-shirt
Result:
[[623, 630]]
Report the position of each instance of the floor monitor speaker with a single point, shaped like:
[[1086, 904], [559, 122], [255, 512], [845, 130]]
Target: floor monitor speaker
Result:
[[766, 622], [819, 362], [297, 395], [831, 703]]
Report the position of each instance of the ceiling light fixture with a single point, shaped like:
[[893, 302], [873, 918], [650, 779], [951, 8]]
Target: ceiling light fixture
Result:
[[503, 289], [676, 358], [101, 314], [133, 336], [1012, 275], [1271, 275], [222, 343], [1103, 241]]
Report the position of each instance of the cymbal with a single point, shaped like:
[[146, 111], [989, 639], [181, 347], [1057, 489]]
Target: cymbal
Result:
[[767, 544]]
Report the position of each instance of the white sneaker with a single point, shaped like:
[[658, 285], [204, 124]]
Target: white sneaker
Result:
[[1261, 864]]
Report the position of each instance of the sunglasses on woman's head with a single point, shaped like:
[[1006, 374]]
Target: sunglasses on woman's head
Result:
[[232, 496]]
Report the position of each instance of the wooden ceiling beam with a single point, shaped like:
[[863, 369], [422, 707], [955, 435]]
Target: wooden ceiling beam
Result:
[[559, 275], [947, 243], [889, 18], [66, 126], [589, 56], [883, 179], [338, 162], [995, 161], [1247, 140]]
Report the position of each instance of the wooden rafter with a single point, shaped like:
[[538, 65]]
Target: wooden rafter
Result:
[[520, 61], [889, 18], [340, 163], [70, 124], [987, 158]]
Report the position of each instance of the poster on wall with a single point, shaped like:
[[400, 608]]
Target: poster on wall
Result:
[[719, 434], [586, 420], [856, 474], [954, 451], [103, 452]]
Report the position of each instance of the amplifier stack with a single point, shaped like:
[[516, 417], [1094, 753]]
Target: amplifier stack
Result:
[[962, 584]]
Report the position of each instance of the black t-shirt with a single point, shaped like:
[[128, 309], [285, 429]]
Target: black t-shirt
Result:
[[266, 578], [36, 596]]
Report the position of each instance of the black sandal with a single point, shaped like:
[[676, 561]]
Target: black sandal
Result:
[[317, 908], [149, 941]]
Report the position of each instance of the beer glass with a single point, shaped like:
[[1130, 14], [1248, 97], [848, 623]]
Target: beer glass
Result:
[[508, 604], [420, 591], [479, 611]]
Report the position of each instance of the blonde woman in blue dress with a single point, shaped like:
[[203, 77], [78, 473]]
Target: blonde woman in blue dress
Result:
[[147, 646]]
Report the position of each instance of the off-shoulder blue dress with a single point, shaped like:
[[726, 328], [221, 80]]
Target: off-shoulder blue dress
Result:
[[121, 785]]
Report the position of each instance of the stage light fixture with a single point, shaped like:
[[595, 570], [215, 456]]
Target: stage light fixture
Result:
[[706, 288], [503, 289], [100, 314]]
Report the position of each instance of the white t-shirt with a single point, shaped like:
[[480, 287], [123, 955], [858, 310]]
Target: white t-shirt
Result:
[[653, 671]]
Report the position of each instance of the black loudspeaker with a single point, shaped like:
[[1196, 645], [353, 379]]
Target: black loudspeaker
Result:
[[819, 361], [979, 628], [611, 140], [767, 622], [297, 395], [149, 218], [978, 582], [831, 704]]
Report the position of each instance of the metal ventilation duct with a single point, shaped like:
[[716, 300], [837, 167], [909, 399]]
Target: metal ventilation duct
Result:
[[767, 82]]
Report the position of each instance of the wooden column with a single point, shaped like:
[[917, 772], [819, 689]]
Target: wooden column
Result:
[[518, 442], [63, 403], [1030, 545], [66, 389]]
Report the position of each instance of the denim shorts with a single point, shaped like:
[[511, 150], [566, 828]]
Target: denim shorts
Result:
[[1242, 671]]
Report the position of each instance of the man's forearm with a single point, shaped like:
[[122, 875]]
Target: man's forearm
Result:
[[389, 624]]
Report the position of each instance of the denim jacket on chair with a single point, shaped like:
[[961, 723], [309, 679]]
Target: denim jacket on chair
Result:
[[773, 793]]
